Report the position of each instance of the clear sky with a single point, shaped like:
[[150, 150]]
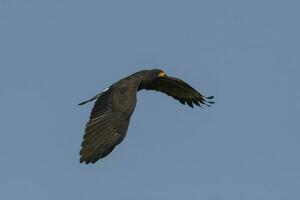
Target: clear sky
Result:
[[55, 54]]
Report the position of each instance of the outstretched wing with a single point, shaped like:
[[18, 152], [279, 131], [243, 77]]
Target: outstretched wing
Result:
[[179, 90], [105, 129]]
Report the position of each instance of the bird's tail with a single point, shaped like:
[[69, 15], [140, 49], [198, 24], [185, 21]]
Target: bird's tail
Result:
[[91, 99]]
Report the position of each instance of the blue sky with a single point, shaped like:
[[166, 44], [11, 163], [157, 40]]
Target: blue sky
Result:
[[54, 54]]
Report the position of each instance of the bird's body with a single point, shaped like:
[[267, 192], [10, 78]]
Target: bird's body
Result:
[[114, 106]]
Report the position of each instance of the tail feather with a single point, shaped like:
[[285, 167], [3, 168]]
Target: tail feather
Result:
[[92, 99]]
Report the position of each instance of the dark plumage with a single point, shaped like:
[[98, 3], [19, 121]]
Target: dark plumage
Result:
[[114, 106]]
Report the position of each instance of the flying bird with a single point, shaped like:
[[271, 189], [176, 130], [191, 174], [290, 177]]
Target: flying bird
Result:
[[110, 116]]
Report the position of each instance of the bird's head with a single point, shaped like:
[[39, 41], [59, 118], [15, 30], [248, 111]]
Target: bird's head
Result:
[[157, 73], [151, 75]]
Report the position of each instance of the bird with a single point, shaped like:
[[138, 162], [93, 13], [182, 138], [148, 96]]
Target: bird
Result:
[[110, 116]]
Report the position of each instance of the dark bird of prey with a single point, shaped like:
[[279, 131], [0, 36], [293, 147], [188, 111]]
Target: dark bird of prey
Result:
[[114, 106]]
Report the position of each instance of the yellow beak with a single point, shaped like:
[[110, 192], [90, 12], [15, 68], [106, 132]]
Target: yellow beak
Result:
[[161, 74]]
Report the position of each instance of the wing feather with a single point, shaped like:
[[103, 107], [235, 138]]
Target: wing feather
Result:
[[104, 130], [179, 90]]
